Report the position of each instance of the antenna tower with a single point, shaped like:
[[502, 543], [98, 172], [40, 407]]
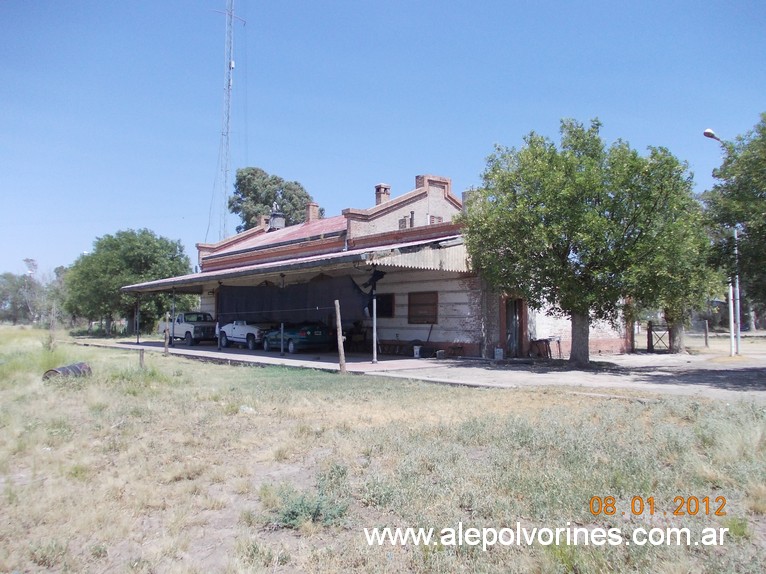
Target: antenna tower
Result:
[[222, 175]]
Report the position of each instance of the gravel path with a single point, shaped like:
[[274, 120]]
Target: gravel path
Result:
[[708, 375]]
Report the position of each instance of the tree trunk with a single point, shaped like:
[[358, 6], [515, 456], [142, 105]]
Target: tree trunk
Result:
[[676, 334], [580, 353]]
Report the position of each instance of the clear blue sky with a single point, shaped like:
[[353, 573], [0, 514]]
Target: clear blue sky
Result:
[[111, 111]]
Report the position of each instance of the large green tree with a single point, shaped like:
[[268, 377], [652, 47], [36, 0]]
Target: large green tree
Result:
[[738, 201], [18, 294], [93, 282], [676, 278], [578, 229], [256, 192]]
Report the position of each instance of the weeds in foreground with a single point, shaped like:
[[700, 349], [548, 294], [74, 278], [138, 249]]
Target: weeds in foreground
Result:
[[296, 508], [255, 553], [47, 554], [139, 469]]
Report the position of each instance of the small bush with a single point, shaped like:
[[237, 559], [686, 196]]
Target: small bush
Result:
[[255, 553], [47, 554], [738, 527], [333, 481], [269, 496], [297, 508], [376, 492]]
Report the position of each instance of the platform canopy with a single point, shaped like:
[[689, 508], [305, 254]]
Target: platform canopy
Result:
[[442, 254]]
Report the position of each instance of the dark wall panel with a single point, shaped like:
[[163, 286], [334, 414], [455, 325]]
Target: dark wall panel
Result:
[[312, 301]]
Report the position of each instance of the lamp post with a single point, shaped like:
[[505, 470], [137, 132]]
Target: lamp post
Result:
[[735, 311]]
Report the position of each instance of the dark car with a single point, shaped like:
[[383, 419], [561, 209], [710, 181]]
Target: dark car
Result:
[[299, 336]]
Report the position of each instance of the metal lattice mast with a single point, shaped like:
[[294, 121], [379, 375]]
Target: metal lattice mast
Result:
[[220, 195], [226, 129]]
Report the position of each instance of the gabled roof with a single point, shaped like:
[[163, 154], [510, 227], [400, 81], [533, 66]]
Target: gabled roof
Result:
[[365, 236], [324, 236], [318, 229], [398, 202]]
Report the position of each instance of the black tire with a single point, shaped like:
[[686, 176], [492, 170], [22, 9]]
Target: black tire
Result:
[[266, 345], [189, 339], [291, 347], [251, 342], [224, 339]]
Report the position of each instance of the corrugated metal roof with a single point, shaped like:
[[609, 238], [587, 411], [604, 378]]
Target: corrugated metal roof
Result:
[[286, 235], [445, 254], [436, 257]]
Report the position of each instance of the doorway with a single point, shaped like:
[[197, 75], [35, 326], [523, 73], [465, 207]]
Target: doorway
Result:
[[514, 309]]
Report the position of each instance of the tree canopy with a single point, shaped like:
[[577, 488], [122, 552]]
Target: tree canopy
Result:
[[93, 282], [17, 295], [256, 192], [581, 228], [738, 200]]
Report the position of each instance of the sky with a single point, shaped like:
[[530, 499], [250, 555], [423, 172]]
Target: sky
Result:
[[111, 112]]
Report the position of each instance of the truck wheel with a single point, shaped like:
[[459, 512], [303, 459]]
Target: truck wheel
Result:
[[266, 345], [251, 342], [224, 339], [189, 339], [291, 347]]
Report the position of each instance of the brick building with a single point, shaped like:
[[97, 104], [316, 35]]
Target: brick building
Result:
[[409, 247]]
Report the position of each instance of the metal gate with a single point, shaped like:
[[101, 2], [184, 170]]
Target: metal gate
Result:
[[657, 337]]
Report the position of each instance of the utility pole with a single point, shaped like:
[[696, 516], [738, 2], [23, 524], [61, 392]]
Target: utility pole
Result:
[[734, 309]]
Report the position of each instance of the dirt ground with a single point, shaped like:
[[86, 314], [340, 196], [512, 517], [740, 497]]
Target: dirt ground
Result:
[[706, 372]]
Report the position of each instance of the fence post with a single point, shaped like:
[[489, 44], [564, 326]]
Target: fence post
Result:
[[707, 330], [166, 333], [339, 328]]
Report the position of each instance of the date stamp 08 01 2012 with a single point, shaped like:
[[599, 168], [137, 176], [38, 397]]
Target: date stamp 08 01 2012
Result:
[[682, 506]]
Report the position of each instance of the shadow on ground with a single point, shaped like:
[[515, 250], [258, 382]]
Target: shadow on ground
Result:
[[745, 378]]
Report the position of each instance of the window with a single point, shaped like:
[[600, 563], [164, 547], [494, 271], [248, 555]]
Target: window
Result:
[[436, 219], [403, 223], [384, 305], [423, 307]]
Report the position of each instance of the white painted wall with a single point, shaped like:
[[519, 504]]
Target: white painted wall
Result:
[[459, 315]]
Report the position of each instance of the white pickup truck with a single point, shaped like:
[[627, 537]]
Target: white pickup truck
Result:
[[192, 327], [250, 334]]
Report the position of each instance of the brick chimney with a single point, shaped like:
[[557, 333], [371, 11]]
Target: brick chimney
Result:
[[312, 212], [382, 193], [433, 181], [277, 219]]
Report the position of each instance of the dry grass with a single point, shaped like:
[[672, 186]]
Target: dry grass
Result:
[[192, 467]]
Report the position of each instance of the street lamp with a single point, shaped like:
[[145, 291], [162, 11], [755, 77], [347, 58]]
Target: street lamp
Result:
[[734, 313], [708, 133]]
